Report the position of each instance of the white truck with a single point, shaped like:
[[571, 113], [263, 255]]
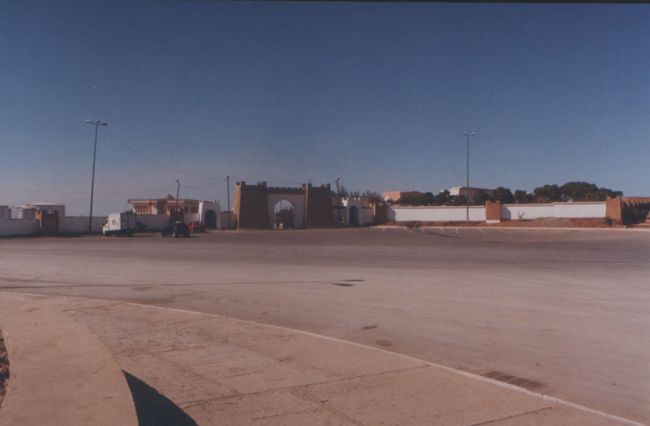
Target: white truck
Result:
[[120, 224]]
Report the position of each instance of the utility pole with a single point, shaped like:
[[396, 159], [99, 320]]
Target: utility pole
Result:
[[178, 191], [338, 197], [467, 135], [95, 123], [228, 195]]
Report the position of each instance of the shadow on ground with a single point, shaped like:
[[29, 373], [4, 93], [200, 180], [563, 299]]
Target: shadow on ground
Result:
[[153, 408]]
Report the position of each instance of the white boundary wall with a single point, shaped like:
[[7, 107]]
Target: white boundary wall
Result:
[[559, 210], [587, 210], [435, 213], [508, 212], [17, 227], [79, 224]]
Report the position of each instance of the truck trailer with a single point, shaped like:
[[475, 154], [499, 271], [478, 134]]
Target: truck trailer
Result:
[[120, 224]]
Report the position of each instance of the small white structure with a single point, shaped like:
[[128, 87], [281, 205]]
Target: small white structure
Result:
[[28, 211], [471, 192], [23, 212], [208, 214], [356, 211]]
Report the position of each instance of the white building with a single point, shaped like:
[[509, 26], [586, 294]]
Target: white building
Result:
[[353, 211], [28, 211], [470, 192]]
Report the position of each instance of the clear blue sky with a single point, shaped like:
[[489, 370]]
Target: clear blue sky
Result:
[[377, 94]]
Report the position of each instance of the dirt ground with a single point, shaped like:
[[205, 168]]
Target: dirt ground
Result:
[[566, 309], [528, 223]]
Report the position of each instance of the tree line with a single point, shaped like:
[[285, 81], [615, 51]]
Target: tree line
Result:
[[570, 191]]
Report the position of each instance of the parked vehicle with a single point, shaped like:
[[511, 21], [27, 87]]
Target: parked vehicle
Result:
[[178, 229], [120, 224], [196, 227]]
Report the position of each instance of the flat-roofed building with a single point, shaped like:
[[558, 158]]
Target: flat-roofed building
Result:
[[395, 196], [163, 206], [206, 212], [470, 192]]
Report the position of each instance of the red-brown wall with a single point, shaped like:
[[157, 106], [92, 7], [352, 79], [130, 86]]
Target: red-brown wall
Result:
[[250, 206], [318, 206], [614, 208], [493, 211]]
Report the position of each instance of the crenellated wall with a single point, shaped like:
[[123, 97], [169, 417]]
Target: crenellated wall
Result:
[[255, 205], [318, 205], [251, 208]]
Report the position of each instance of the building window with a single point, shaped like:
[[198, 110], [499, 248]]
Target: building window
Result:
[[195, 209]]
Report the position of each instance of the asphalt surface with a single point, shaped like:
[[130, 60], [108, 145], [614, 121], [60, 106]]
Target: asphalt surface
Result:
[[566, 311]]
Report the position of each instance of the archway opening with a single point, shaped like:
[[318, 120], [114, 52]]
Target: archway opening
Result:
[[284, 215], [354, 216], [210, 219]]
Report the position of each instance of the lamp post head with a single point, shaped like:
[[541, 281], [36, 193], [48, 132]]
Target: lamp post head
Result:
[[470, 133], [96, 123]]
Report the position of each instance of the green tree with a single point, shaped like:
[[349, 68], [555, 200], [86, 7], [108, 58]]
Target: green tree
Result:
[[522, 197], [481, 197], [428, 199], [458, 200], [504, 195], [374, 197], [579, 191], [547, 194], [443, 198]]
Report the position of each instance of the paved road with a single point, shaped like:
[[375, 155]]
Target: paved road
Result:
[[566, 311]]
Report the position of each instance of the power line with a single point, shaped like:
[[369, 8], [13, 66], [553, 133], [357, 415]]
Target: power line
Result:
[[156, 161], [51, 191], [181, 171]]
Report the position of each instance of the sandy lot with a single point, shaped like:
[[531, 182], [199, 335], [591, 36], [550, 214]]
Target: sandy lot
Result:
[[567, 311]]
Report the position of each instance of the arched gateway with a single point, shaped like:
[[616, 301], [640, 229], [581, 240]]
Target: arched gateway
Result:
[[255, 206]]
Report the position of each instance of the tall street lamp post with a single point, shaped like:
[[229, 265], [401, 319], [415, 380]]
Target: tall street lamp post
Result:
[[95, 123], [467, 136]]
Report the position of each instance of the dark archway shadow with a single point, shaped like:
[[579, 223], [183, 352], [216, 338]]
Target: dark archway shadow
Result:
[[153, 408], [354, 216], [210, 219], [284, 215]]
